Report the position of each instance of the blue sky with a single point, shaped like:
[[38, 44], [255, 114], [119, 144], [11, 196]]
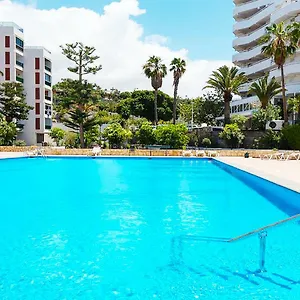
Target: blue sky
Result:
[[204, 27]]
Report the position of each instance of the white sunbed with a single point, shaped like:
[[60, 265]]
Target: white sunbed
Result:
[[96, 151], [212, 154], [200, 153], [187, 153], [293, 155], [277, 155], [36, 152]]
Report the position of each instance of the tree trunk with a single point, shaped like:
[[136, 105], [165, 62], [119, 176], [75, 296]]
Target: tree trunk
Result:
[[81, 134], [155, 107], [227, 112], [284, 102], [175, 103]]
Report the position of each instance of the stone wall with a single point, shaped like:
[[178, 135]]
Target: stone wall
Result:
[[138, 152]]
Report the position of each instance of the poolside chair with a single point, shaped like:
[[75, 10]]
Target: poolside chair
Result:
[[293, 155], [96, 151], [200, 153], [187, 153], [36, 152], [276, 155], [212, 153]]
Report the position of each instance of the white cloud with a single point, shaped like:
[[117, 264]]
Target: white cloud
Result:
[[117, 37]]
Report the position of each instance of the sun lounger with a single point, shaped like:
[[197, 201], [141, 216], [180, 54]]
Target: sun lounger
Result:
[[200, 153], [277, 155], [212, 153], [187, 153], [293, 155]]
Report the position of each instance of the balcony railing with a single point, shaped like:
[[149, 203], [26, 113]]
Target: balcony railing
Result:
[[20, 79], [48, 98], [48, 83], [20, 48], [20, 64], [48, 68]]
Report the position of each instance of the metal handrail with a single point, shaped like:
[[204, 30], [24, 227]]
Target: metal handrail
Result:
[[261, 232], [249, 234]]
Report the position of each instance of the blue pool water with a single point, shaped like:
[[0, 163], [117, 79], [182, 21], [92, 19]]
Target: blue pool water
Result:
[[105, 229]]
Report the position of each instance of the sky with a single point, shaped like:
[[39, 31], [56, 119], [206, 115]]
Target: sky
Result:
[[126, 32]]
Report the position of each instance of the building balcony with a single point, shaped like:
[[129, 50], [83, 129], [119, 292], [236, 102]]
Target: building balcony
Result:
[[250, 8], [48, 83], [255, 21], [19, 79], [248, 56], [20, 64], [288, 9], [48, 98], [249, 40], [259, 68], [48, 69], [290, 69]]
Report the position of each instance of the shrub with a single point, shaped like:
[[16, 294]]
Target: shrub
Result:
[[71, 140], [239, 120], [116, 134], [262, 116], [175, 136], [8, 133], [20, 143], [291, 136], [271, 139], [145, 134], [232, 135], [206, 142], [57, 134]]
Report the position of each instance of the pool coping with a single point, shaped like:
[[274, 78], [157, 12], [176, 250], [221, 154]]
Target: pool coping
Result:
[[285, 183]]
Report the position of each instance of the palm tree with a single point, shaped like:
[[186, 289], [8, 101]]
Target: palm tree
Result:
[[156, 71], [265, 90], [226, 81], [282, 42], [178, 68]]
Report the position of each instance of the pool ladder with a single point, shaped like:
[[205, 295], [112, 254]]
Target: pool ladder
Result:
[[261, 232]]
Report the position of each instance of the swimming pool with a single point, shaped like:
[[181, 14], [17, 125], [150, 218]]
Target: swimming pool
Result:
[[104, 228]]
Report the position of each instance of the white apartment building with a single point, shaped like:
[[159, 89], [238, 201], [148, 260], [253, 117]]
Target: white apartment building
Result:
[[32, 67], [252, 17]]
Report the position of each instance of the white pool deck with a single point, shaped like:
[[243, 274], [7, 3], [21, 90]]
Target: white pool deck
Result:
[[282, 172], [285, 173]]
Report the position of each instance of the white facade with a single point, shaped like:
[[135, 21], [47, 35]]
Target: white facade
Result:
[[252, 17], [31, 66]]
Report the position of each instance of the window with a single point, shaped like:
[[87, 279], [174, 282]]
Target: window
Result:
[[7, 73], [7, 58], [47, 77], [37, 63], [19, 43], [37, 109], [7, 41], [37, 94], [37, 78], [48, 123], [37, 124]]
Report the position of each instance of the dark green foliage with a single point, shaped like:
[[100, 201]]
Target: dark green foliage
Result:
[[232, 135], [175, 136], [8, 133], [206, 142], [262, 116], [57, 134], [116, 134], [12, 102], [270, 140], [291, 136], [141, 105], [19, 143], [145, 134]]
